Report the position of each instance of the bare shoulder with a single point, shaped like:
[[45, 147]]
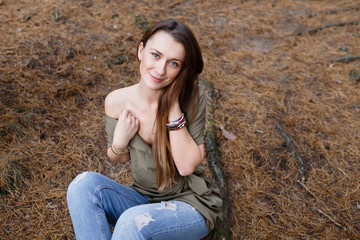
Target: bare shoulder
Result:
[[116, 101]]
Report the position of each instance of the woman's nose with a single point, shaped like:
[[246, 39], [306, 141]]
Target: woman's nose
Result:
[[161, 67]]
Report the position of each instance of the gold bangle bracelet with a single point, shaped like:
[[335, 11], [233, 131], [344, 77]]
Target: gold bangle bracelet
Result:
[[119, 153]]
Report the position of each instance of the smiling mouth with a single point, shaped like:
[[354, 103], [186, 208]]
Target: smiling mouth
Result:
[[155, 78]]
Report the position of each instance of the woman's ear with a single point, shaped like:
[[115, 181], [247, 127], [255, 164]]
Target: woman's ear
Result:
[[140, 51]]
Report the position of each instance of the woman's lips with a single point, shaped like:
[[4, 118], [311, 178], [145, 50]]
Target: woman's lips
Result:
[[155, 78]]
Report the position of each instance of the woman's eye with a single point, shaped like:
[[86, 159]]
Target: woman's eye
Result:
[[155, 55], [174, 64]]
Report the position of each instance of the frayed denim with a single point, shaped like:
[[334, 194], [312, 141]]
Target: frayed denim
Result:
[[97, 204]]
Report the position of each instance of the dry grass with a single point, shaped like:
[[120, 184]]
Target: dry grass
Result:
[[59, 59]]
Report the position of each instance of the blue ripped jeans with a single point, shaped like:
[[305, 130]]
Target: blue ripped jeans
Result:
[[97, 204]]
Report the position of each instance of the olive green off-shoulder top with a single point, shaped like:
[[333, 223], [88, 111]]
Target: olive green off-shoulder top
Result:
[[195, 189]]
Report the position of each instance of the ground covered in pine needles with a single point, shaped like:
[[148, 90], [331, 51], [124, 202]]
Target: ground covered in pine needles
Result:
[[286, 76]]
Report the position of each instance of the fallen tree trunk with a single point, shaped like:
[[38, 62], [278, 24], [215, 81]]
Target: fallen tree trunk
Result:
[[222, 230]]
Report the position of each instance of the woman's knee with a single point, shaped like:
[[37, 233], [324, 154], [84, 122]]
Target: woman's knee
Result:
[[81, 185], [130, 223]]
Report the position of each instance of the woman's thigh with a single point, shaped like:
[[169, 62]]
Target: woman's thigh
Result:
[[161, 221], [94, 193]]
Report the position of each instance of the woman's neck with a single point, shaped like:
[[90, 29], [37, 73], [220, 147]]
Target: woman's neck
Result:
[[148, 96]]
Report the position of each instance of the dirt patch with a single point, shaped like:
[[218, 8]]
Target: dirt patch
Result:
[[60, 59]]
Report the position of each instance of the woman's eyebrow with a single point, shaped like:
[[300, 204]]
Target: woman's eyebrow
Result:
[[161, 54]]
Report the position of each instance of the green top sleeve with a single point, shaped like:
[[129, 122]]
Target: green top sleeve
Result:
[[110, 124], [197, 126]]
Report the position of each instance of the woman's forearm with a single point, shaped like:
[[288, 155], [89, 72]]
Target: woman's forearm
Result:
[[186, 153], [119, 158]]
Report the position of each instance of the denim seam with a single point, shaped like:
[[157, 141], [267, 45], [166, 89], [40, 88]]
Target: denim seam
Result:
[[97, 190], [102, 187], [96, 206]]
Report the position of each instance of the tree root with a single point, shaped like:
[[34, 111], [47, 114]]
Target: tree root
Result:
[[291, 145], [315, 30], [336, 11], [348, 58], [222, 230]]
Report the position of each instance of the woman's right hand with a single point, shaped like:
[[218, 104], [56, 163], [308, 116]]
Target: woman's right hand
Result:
[[125, 129]]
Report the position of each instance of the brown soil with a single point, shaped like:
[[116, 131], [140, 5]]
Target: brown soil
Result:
[[59, 59]]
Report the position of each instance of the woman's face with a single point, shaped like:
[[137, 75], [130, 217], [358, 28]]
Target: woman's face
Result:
[[160, 60]]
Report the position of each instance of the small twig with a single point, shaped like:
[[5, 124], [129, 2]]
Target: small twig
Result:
[[315, 209], [329, 217], [307, 189], [56, 13], [291, 145], [315, 30], [348, 58], [28, 17], [272, 218]]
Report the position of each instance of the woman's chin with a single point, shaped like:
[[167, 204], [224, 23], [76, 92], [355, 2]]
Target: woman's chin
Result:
[[155, 84]]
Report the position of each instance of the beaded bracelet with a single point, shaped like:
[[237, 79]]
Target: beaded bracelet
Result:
[[119, 153], [176, 124]]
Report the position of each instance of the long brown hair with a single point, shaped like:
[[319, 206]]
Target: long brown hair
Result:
[[184, 88]]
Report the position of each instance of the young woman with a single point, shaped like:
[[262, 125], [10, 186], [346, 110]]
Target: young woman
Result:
[[157, 125]]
